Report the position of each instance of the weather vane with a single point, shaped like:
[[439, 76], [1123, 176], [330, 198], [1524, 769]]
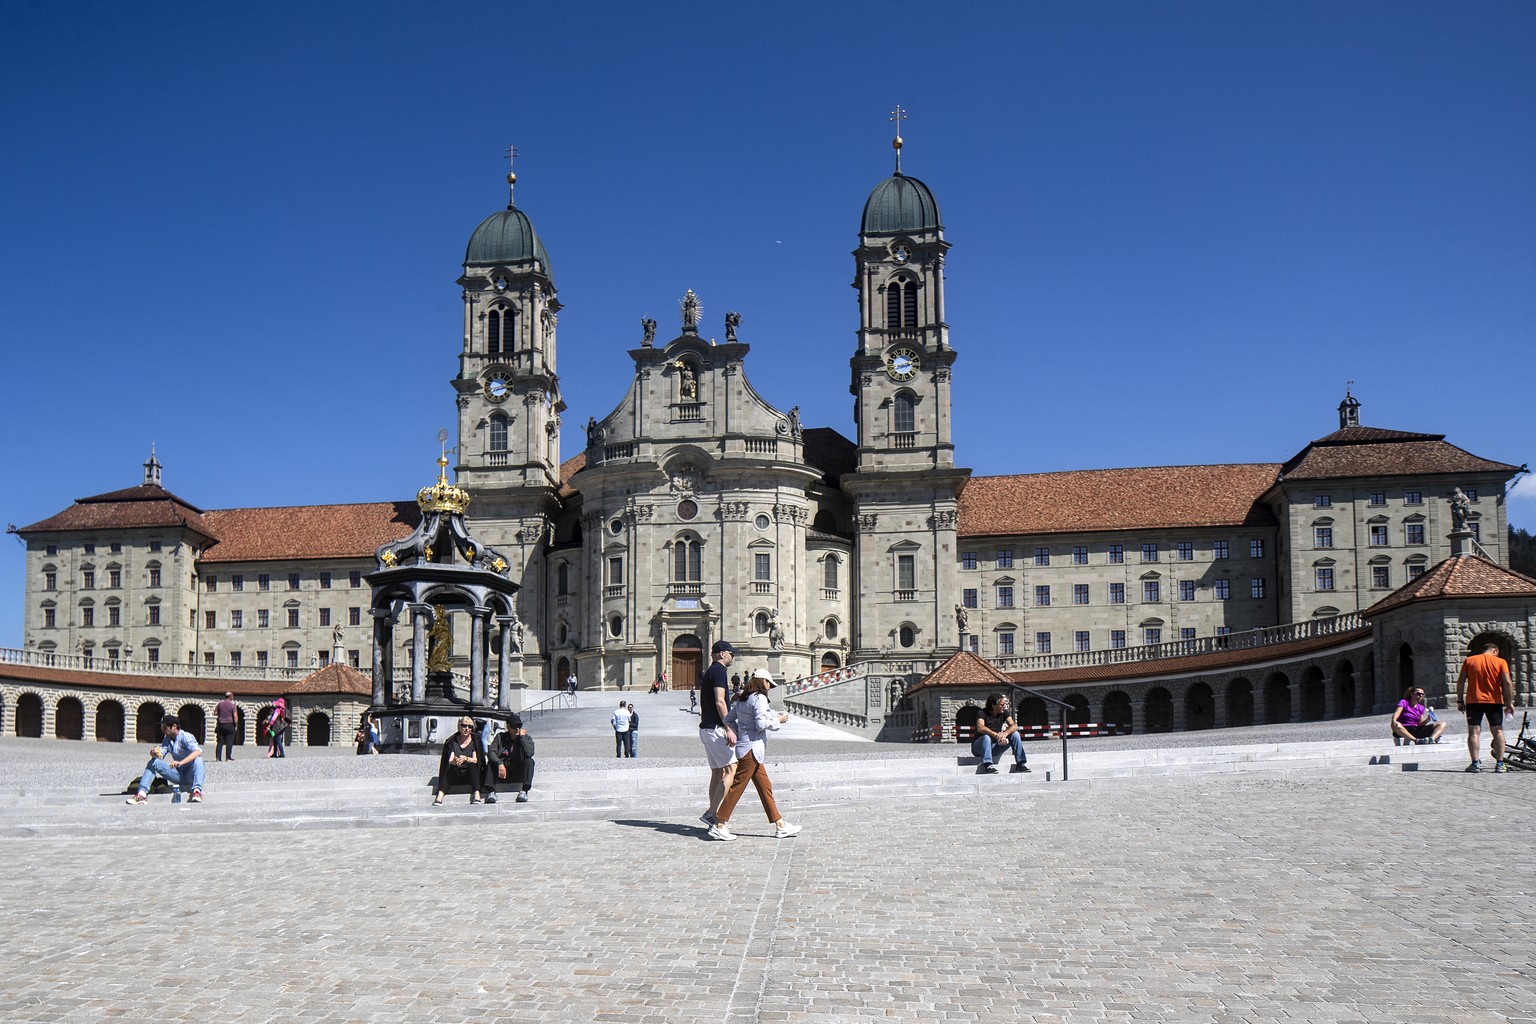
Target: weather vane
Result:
[[898, 115]]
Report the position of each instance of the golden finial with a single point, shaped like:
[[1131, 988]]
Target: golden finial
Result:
[[443, 496], [898, 115], [511, 175]]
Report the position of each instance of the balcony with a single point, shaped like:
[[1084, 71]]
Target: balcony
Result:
[[762, 587], [904, 440], [689, 412], [829, 593], [614, 590], [496, 459], [676, 589], [762, 446], [906, 595]]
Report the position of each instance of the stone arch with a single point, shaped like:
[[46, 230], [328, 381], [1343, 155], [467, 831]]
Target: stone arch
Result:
[[146, 722], [1314, 697], [1476, 644], [69, 719], [1346, 694], [29, 715], [1199, 707], [1239, 702], [1032, 711], [1078, 713], [263, 716], [1157, 709], [1117, 710], [317, 729], [829, 661], [110, 718], [562, 672], [965, 722], [1277, 699], [194, 720], [1404, 667]]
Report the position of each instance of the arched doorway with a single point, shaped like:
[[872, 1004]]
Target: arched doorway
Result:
[[146, 723], [1404, 668], [239, 726], [1077, 714], [1239, 702], [29, 715], [965, 723], [317, 729], [194, 720], [1159, 710], [1345, 692], [687, 662], [1117, 710], [1199, 707], [1277, 699], [109, 722], [1439, 687], [262, 718], [1314, 705], [69, 719], [829, 662], [562, 672], [1033, 712]]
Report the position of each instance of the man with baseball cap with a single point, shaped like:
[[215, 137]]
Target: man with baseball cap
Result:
[[718, 738]]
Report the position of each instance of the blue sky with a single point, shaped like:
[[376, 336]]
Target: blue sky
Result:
[[1177, 228]]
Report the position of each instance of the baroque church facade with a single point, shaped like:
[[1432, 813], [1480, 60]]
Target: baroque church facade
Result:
[[696, 511]]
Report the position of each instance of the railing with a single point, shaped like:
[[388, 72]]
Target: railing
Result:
[[685, 589], [963, 733], [762, 446], [762, 587], [555, 701], [1251, 639], [618, 450], [614, 590], [829, 593], [497, 458], [906, 595], [808, 683], [815, 714], [164, 669], [903, 440], [691, 412]]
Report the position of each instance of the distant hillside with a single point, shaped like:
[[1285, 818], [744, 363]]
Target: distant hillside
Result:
[[1522, 551]]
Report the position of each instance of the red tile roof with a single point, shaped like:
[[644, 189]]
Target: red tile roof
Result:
[[147, 505], [308, 531], [1157, 497], [965, 669], [1372, 451], [1460, 576], [335, 678], [569, 468], [345, 683]]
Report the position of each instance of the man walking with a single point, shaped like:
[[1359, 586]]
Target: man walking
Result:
[[718, 738], [1485, 692], [620, 723], [228, 716]]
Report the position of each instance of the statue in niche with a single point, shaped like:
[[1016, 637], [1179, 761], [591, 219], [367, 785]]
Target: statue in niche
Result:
[[775, 631], [688, 382], [439, 641], [594, 432], [691, 310], [649, 327], [732, 321], [1461, 511]]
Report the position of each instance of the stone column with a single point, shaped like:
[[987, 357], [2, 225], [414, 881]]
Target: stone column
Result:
[[504, 624], [383, 670], [1180, 702], [1295, 689], [1139, 715], [477, 667], [421, 614], [1219, 707], [1331, 697]]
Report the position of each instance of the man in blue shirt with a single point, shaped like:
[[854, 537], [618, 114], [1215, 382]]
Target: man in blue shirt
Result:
[[178, 760]]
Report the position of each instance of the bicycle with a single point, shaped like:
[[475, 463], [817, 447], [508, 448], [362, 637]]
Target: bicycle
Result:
[[1521, 752]]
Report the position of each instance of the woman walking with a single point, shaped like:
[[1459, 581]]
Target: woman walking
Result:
[[275, 726], [753, 717]]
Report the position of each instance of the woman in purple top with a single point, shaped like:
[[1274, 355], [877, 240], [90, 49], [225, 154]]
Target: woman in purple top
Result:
[[1413, 721]]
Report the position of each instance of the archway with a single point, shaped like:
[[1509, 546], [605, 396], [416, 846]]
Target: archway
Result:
[[1077, 714], [829, 662], [1314, 706], [194, 720], [239, 726], [562, 672], [1404, 668], [109, 722], [1344, 690], [69, 719], [1199, 707], [29, 715], [1159, 710], [1239, 702], [965, 723], [1277, 699], [1117, 711], [263, 716], [317, 729], [146, 723], [687, 661], [1033, 712]]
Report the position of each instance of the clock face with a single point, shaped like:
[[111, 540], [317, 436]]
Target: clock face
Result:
[[901, 254], [498, 385], [901, 364]]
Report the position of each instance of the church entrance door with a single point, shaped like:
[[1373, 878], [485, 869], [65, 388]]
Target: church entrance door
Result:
[[687, 662]]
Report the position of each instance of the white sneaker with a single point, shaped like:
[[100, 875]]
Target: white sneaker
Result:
[[721, 831], [783, 830]]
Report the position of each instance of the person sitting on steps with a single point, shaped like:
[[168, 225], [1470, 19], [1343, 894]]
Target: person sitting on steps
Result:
[[996, 728], [1413, 721]]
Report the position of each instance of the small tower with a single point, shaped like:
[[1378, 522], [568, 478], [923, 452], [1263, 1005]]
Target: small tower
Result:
[[1349, 411], [152, 470]]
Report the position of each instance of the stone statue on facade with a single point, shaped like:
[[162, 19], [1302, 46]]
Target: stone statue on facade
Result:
[[962, 619], [649, 327], [775, 631], [692, 309], [1461, 511], [337, 635], [732, 321], [688, 383], [594, 432]]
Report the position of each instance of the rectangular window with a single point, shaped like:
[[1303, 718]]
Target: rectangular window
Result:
[[616, 571], [354, 616], [293, 584], [1470, 492], [50, 617], [1005, 597], [1324, 579], [1149, 552], [261, 658], [263, 582], [1476, 528], [1378, 497], [1043, 596], [1042, 643], [263, 618], [968, 597], [52, 549], [1256, 587], [1117, 593], [1152, 636], [1186, 632], [1042, 556], [1005, 643], [975, 643], [90, 549], [1151, 592], [1079, 593], [1080, 641], [293, 618], [1322, 536], [1223, 589], [88, 580], [237, 583], [114, 615], [154, 615], [1378, 535], [1117, 639], [114, 578], [1005, 558], [1413, 498], [325, 581], [154, 655], [1219, 549], [1116, 554], [155, 545], [1415, 570], [293, 659], [208, 658], [1381, 577], [210, 620], [1186, 551], [154, 577], [1080, 555], [325, 616], [237, 619], [87, 616], [212, 583], [906, 572], [762, 568], [967, 559], [50, 581], [1322, 501], [1256, 549], [1186, 590], [355, 658], [325, 659], [234, 659], [1413, 533], [354, 579], [1223, 630]]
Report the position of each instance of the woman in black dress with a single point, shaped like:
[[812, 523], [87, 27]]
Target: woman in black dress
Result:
[[463, 760]]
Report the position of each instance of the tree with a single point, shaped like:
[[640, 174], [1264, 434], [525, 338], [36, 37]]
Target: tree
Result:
[[1522, 552]]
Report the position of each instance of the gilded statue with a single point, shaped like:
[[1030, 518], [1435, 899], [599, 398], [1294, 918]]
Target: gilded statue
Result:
[[439, 641]]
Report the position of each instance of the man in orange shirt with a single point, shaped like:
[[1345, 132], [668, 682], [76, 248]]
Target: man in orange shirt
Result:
[[1485, 691]]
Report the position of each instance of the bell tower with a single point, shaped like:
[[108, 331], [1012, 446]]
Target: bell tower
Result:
[[508, 391]]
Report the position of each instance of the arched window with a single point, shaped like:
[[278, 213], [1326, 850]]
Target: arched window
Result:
[[904, 413], [760, 623], [563, 578], [686, 560], [500, 330], [829, 572], [907, 636], [901, 305], [498, 433]]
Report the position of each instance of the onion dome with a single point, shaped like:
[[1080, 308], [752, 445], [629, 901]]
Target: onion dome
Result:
[[900, 205]]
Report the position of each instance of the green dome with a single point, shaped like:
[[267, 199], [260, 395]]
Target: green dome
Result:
[[506, 238], [900, 205]]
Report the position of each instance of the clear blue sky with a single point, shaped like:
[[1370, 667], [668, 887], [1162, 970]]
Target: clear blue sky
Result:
[[1178, 228]]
